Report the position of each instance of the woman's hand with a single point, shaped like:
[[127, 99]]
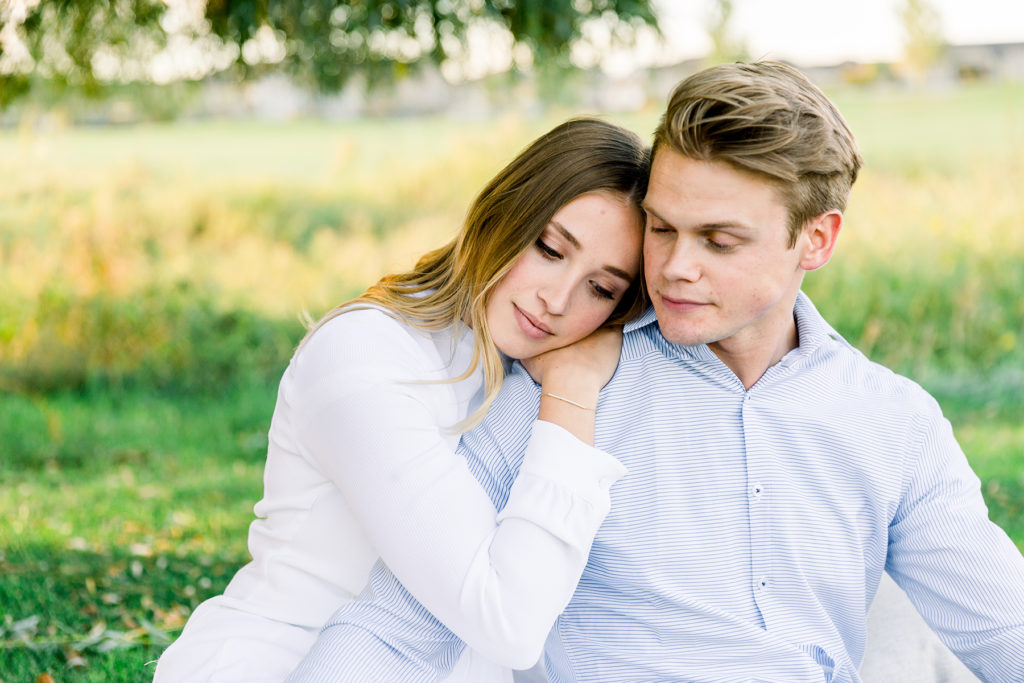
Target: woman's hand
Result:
[[572, 377], [587, 364]]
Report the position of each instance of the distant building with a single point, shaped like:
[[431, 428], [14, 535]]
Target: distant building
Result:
[[994, 61]]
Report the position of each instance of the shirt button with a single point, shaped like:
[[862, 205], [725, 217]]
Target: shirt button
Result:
[[756, 490], [762, 584]]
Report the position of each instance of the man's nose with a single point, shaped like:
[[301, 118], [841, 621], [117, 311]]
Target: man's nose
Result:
[[683, 263]]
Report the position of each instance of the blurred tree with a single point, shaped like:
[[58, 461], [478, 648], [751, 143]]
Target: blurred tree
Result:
[[88, 44], [922, 28], [724, 47], [57, 45]]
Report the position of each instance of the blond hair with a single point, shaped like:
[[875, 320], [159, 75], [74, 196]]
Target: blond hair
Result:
[[449, 286], [768, 119]]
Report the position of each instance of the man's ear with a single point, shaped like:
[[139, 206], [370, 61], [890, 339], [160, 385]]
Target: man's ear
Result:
[[818, 239]]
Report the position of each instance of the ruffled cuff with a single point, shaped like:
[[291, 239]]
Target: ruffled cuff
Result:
[[563, 485]]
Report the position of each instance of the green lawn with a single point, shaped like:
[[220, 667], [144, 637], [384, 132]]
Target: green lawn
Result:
[[141, 509], [135, 512]]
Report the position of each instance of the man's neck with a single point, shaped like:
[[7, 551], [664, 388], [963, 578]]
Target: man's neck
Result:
[[750, 355]]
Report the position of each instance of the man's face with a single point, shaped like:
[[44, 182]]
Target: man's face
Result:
[[716, 259]]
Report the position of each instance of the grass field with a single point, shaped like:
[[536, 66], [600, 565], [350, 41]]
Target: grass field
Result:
[[151, 281]]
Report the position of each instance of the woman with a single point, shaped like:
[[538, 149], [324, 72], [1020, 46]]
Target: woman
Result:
[[361, 461]]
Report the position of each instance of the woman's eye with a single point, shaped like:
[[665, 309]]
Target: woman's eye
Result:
[[602, 292], [548, 251]]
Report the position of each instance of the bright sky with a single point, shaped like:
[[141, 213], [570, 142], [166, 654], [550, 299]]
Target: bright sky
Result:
[[817, 32]]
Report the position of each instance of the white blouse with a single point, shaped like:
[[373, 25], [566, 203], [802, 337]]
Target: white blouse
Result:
[[361, 464]]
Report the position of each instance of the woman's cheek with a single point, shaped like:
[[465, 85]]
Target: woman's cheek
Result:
[[598, 313]]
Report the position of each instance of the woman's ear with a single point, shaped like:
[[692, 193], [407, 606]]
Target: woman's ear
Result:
[[819, 239]]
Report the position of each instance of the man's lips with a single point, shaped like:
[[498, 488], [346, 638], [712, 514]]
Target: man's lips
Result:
[[680, 304], [530, 326]]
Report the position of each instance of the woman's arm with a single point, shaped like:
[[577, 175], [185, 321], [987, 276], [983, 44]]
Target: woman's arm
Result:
[[498, 584]]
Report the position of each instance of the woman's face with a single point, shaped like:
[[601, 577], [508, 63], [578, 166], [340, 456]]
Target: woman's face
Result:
[[567, 284]]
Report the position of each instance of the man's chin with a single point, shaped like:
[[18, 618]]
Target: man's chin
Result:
[[682, 329], [685, 337], [685, 333]]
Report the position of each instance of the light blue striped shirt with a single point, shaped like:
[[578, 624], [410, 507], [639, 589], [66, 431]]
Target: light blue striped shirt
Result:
[[749, 536]]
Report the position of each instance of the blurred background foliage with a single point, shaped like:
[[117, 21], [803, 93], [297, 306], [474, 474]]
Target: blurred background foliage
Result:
[[155, 268], [90, 46], [178, 257]]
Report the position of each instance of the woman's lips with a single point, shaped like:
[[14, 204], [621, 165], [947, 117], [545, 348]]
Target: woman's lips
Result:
[[531, 327]]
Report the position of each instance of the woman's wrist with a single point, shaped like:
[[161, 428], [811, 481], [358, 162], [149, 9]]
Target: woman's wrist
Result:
[[571, 408], [578, 387], [568, 400]]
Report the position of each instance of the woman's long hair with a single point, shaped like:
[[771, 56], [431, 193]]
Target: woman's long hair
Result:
[[449, 286]]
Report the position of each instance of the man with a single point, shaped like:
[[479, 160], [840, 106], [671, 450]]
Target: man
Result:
[[774, 472]]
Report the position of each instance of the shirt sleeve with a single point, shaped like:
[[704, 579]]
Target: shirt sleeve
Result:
[[497, 581], [962, 572]]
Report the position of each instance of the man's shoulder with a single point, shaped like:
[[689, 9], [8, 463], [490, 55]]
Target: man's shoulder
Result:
[[639, 341], [847, 368], [853, 374]]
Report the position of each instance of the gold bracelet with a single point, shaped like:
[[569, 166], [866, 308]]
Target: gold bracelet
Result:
[[569, 401]]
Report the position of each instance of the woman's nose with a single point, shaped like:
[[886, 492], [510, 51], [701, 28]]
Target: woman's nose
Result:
[[556, 296]]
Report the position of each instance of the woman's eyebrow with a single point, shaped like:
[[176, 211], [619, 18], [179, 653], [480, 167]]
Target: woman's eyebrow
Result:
[[618, 272], [566, 234], [571, 239]]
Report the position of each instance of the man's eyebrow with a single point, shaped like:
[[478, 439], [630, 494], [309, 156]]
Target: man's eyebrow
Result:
[[727, 226], [647, 207], [731, 226]]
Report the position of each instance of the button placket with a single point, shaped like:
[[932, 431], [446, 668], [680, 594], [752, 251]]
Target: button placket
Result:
[[759, 469]]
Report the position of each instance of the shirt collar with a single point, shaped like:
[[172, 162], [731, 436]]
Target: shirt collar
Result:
[[644, 320], [812, 329]]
